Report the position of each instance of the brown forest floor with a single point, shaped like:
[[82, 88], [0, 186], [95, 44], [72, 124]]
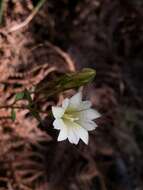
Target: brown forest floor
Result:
[[66, 36]]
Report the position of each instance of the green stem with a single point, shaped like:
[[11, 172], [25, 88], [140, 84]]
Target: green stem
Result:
[[19, 107], [13, 107], [38, 6], [1, 10]]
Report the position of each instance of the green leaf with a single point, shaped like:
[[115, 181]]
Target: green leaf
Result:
[[65, 82], [75, 80], [13, 115], [19, 96], [27, 96], [34, 113], [1, 10]]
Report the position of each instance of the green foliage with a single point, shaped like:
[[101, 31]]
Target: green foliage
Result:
[[19, 96], [34, 112], [1, 10], [25, 95], [49, 89], [13, 115], [66, 82], [75, 80]]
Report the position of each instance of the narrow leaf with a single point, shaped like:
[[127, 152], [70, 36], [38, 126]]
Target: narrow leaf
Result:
[[27, 96], [65, 82], [13, 115], [1, 10], [19, 96]]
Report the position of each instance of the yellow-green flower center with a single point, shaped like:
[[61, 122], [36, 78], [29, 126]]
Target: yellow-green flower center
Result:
[[71, 117]]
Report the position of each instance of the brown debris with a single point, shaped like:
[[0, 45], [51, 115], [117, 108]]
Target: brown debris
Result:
[[105, 35]]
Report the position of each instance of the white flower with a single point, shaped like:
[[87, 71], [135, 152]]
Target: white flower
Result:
[[74, 119]]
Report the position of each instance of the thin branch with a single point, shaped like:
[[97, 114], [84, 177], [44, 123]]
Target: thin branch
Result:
[[29, 18], [1, 10], [14, 107]]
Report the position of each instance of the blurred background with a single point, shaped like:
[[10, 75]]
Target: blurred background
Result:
[[43, 39]]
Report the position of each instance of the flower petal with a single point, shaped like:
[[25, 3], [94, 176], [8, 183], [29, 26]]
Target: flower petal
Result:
[[72, 133], [88, 125], [85, 105], [75, 100], [89, 114], [72, 136], [65, 103], [83, 134], [58, 124], [63, 134], [58, 112], [93, 114], [75, 131]]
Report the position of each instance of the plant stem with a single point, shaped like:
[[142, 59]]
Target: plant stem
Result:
[[29, 18], [1, 10], [19, 107], [13, 107]]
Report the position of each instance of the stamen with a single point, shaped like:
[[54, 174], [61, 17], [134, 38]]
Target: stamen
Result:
[[70, 117]]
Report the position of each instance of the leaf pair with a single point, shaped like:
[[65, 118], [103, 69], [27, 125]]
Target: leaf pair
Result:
[[25, 95]]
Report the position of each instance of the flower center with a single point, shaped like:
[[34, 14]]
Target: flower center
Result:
[[70, 117]]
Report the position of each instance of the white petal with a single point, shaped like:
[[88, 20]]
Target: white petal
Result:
[[73, 135], [93, 114], [63, 134], [88, 125], [58, 112], [89, 114], [58, 124], [83, 134], [75, 131], [75, 100], [65, 103], [85, 105]]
